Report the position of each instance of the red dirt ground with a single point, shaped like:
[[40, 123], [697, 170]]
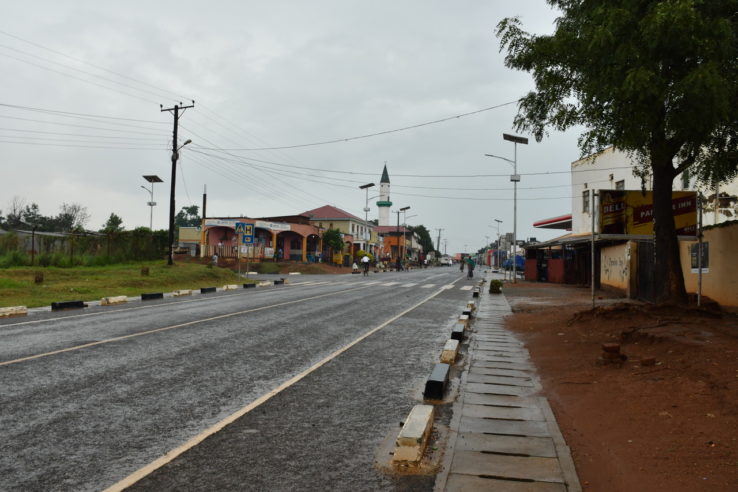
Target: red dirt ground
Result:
[[672, 426]]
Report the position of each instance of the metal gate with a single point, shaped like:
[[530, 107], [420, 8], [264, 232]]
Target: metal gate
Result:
[[645, 288]]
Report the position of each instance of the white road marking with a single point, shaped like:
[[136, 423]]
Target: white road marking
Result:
[[390, 283], [194, 441], [427, 286], [408, 285], [166, 328], [467, 287]]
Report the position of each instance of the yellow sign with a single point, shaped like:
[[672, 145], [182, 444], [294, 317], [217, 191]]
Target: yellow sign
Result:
[[631, 212]]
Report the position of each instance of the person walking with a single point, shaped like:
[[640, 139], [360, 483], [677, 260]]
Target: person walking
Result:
[[365, 263], [470, 267]]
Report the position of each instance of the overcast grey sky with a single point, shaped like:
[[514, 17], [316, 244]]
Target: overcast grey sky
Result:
[[272, 74]]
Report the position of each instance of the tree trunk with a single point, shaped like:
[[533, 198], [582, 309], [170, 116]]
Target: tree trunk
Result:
[[668, 276]]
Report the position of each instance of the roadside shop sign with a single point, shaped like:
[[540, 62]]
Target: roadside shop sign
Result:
[[631, 212]]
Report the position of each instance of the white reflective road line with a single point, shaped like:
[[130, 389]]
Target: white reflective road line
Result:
[[408, 285], [390, 283], [449, 286], [194, 441], [467, 287], [171, 327], [427, 286]]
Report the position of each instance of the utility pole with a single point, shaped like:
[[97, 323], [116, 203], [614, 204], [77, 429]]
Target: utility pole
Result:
[[438, 242], [175, 111]]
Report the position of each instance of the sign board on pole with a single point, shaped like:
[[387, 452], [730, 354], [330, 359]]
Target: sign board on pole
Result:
[[246, 231], [631, 212]]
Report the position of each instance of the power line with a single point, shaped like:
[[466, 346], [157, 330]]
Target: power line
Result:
[[69, 67], [80, 60], [81, 146], [79, 134], [77, 78], [18, 118], [376, 134], [87, 115]]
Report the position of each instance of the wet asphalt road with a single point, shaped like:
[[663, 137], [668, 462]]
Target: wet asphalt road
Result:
[[85, 418]]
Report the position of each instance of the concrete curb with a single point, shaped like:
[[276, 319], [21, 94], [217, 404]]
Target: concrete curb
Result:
[[182, 292], [230, 287], [413, 438], [562, 450], [109, 301], [13, 311], [450, 351]]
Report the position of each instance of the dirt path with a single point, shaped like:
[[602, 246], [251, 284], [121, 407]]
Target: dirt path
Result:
[[670, 426]]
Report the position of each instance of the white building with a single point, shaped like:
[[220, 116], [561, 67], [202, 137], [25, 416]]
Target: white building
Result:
[[612, 169]]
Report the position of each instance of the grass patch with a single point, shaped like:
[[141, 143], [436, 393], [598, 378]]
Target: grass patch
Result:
[[17, 285]]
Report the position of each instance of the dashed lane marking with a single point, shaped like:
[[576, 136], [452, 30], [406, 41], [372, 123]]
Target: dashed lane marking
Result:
[[427, 286], [408, 285], [467, 287]]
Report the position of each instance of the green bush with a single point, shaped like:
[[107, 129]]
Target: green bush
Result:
[[14, 259], [495, 286]]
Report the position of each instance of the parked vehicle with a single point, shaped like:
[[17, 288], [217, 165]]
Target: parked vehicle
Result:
[[519, 263]]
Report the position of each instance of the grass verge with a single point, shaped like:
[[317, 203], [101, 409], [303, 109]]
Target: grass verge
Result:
[[17, 286]]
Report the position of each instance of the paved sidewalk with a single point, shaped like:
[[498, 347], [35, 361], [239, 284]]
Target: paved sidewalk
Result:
[[503, 436]]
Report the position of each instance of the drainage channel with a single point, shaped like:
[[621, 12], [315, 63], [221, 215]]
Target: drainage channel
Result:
[[506, 436]]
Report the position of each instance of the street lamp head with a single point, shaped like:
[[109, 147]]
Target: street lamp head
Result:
[[187, 142], [515, 138], [368, 185], [498, 221], [404, 208]]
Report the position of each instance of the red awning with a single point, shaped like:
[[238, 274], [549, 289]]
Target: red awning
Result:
[[560, 222]]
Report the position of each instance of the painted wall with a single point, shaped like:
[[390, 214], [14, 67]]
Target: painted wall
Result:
[[615, 268], [556, 273], [720, 278]]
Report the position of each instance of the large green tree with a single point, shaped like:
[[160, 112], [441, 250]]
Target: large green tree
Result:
[[426, 242], [188, 217], [657, 79]]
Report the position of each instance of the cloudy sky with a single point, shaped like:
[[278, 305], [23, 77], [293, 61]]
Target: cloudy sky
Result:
[[274, 74]]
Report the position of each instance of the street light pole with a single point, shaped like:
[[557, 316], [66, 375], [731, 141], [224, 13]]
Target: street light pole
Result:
[[366, 210], [151, 179], [404, 226], [515, 178], [498, 242]]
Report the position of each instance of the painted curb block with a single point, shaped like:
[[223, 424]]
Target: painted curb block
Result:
[[182, 292], [413, 437], [207, 290], [457, 333], [463, 320], [435, 387], [230, 287], [264, 283], [295, 273], [109, 301], [450, 351], [152, 296], [57, 306], [12, 311], [249, 286]]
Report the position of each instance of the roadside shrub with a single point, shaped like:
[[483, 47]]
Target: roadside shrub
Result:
[[14, 259], [495, 286], [9, 242], [361, 253]]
